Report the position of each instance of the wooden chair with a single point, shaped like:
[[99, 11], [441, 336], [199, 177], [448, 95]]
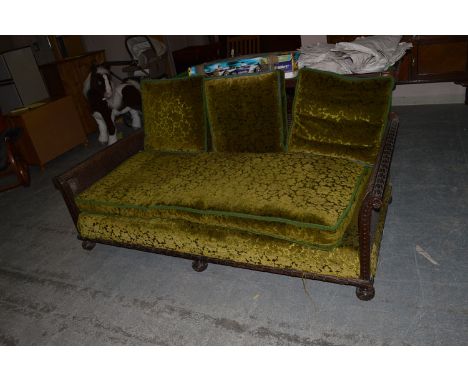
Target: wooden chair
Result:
[[242, 45], [10, 160]]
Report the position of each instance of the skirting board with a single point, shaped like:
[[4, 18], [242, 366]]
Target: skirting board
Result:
[[428, 94]]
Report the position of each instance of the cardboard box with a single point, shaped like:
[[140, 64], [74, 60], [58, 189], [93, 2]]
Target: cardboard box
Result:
[[286, 61]]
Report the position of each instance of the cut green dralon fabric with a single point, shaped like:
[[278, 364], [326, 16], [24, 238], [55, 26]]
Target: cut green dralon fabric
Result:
[[305, 198], [221, 243], [246, 113], [238, 246], [174, 114], [339, 115]]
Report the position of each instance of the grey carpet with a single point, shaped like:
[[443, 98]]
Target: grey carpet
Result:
[[52, 292]]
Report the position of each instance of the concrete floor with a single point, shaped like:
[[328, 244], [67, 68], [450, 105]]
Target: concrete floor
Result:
[[54, 293]]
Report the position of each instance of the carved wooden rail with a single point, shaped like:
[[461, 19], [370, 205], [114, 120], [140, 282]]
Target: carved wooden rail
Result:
[[373, 201]]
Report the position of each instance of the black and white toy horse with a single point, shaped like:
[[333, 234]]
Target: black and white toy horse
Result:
[[109, 100]]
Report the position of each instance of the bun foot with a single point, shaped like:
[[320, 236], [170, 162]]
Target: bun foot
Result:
[[88, 245], [365, 293], [199, 265], [23, 174]]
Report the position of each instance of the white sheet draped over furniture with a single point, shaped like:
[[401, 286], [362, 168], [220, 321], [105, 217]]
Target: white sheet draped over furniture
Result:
[[363, 55]]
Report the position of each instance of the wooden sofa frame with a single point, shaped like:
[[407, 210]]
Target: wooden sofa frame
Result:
[[83, 175]]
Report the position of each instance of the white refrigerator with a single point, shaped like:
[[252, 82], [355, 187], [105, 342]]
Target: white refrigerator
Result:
[[21, 82]]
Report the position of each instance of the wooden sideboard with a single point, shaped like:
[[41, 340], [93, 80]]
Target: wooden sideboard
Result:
[[49, 130], [432, 59], [66, 77]]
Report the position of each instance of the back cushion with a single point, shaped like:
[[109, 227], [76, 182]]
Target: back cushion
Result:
[[174, 114], [247, 113], [340, 116]]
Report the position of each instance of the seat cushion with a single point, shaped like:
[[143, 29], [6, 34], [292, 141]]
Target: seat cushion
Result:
[[339, 115], [304, 198], [234, 245], [174, 114], [247, 113]]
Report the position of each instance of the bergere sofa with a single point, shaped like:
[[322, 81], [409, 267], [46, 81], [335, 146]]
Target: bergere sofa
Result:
[[218, 175]]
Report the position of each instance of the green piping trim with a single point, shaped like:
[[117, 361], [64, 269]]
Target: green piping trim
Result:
[[331, 246], [205, 113], [208, 120], [293, 109], [284, 101], [205, 120], [283, 107], [240, 214]]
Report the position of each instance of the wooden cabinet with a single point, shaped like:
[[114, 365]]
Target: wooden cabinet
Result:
[[49, 130], [432, 59], [66, 77], [436, 59]]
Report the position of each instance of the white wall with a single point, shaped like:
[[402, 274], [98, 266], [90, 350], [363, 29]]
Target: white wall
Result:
[[414, 94], [313, 40]]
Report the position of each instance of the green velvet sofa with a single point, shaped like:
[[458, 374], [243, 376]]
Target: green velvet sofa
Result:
[[219, 175]]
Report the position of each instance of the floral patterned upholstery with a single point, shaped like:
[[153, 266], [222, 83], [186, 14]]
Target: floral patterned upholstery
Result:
[[247, 113], [340, 115], [227, 244], [264, 196], [174, 114], [304, 198]]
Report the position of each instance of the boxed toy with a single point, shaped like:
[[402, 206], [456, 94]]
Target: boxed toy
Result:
[[286, 61], [239, 65]]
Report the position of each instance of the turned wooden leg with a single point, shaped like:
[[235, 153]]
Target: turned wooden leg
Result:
[[365, 293], [23, 174], [88, 245], [199, 265]]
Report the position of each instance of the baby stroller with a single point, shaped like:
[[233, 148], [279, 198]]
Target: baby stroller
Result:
[[149, 58]]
